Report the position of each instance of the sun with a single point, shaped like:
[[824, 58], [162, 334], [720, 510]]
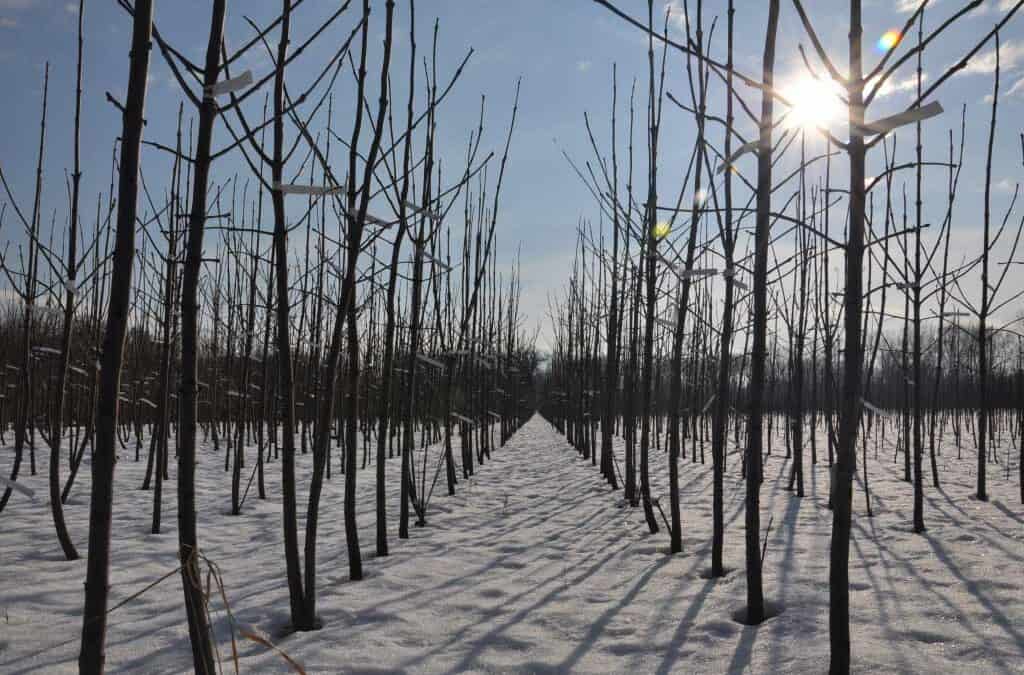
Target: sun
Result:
[[816, 103]]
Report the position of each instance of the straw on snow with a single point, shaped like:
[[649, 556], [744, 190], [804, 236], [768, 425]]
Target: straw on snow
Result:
[[18, 487]]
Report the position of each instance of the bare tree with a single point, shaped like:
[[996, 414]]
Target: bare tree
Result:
[[94, 616]]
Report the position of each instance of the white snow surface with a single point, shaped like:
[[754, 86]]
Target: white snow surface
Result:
[[535, 566]]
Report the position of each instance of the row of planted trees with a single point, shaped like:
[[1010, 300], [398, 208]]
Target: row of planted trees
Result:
[[717, 316], [370, 319]]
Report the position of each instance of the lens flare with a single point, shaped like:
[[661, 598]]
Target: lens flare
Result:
[[889, 40], [661, 229]]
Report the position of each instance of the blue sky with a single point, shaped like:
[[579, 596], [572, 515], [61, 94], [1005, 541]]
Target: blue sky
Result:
[[563, 50]]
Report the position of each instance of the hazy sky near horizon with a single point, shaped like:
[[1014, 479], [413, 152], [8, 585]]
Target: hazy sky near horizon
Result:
[[562, 49]]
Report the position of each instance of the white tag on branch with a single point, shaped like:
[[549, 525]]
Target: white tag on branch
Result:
[[295, 189], [697, 273], [445, 266], [730, 273], [871, 406], [430, 362], [18, 487], [433, 215], [731, 159], [367, 218], [887, 124], [665, 323], [70, 286], [228, 86]]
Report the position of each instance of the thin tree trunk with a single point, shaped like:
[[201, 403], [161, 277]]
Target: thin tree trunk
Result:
[[94, 616], [762, 234], [188, 544]]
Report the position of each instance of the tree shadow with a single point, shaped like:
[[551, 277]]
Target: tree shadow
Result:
[[995, 613], [589, 640], [683, 629]]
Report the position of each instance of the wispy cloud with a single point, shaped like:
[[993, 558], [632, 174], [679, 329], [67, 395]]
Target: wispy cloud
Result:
[[997, 5], [7, 23], [987, 7], [1011, 54], [583, 66], [896, 86], [677, 15], [907, 6], [18, 4]]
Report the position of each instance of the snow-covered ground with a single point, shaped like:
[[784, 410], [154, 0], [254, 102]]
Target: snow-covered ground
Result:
[[535, 566]]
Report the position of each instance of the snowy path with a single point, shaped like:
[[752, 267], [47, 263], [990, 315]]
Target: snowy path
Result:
[[534, 567]]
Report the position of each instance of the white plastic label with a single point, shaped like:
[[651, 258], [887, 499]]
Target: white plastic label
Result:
[[227, 86]]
